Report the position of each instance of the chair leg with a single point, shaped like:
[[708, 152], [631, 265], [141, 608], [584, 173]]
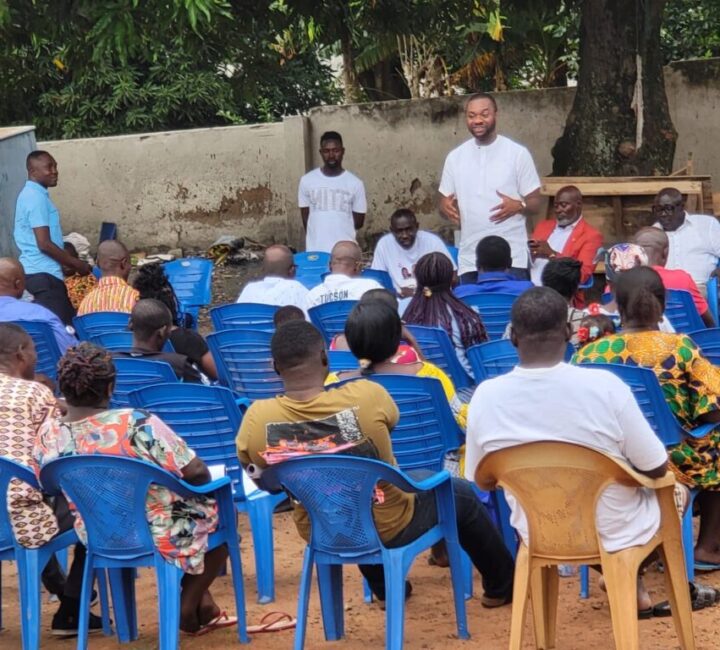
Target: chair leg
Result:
[[621, 571], [521, 591], [458, 573], [687, 538], [1, 625], [304, 599], [678, 595], [168, 580], [122, 589], [28, 568], [467, 573], [239, 590], [85, 592], [584, 581], [544, 597], [101, 577], [330, 584], [394, 601], [260, 512]]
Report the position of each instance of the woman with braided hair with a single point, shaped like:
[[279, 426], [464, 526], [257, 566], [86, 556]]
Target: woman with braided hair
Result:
[[180, 527], [434, 305]]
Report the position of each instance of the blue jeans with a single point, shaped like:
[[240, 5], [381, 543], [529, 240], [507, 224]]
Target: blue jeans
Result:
[[479, 538]]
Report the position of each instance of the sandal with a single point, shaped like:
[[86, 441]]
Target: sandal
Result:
[[273, 622], [490, 603], [220, 621], [701, 597]]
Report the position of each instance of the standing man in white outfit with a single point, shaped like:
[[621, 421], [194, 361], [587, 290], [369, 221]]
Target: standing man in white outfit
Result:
[[489, 185], [331, 199]]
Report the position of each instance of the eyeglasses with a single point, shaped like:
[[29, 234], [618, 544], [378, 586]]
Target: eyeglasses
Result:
[[661, 209]]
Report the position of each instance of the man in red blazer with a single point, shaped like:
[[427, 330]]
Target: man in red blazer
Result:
[[568, 235]]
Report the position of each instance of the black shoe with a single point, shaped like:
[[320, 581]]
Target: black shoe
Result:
[[65, 621]]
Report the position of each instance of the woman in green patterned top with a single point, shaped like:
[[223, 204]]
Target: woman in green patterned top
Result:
[[690, 384]]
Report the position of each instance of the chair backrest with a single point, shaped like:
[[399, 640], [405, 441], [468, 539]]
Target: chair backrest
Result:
[[557, 484], [649, 395], [342, 360], [100, 322], [495, 358], [243, 314], [708, 340], [121, 341], [133, 374], [337, 492], [244, 362], [330, 318], [494, 309], [426, 428], [9, 470], [383, 277], [191, 278], [454, 253], [438, 349], [108, 230], [712, 291], [206, 417], [109, 493], [311, 266], [681, 311], [46, 347]]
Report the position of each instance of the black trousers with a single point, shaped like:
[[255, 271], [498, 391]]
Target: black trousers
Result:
[[53, 577], [51, 293]]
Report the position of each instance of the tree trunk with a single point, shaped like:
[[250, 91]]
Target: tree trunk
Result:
[[602, 136], [353, 90]]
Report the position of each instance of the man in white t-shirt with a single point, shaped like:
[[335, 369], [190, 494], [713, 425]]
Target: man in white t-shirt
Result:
[[545, 399], [278, 286], [694, 238], [344, 281], [331, 199], [489, 184], [399, 250]]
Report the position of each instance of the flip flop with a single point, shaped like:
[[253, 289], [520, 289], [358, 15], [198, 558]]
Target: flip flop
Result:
[[702, 596], [273, 622], [706, 566], [220, 621]]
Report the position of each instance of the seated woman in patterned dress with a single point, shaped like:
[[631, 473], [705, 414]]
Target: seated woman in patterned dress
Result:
[[180, 527], [690, 384]]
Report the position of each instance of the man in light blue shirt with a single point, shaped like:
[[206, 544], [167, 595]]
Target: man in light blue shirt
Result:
[[38, 235], [12, 284]]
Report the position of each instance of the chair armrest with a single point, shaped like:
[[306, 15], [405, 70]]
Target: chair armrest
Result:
[[429, 483], [207, 488], [243, 403], [636, 479], [702, 430]]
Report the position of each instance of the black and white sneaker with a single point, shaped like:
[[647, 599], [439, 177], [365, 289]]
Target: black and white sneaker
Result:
[[65, 623]]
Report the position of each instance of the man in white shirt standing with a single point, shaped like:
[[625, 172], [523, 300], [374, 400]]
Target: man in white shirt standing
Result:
[[277, 286], [331, 199], [489, 184], [344, 281], [399, 250], [545, 399], [694, 238]]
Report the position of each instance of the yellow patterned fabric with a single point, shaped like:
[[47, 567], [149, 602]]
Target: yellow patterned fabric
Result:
[[690, 384], [79, 286], [111, 294]]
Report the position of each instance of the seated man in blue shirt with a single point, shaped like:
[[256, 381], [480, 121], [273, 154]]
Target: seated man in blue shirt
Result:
[[493, 260], [38, 236], [12, 285]]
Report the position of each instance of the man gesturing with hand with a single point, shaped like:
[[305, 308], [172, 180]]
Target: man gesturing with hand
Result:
[[489, 185]]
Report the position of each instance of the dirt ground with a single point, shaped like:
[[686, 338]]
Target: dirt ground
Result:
[[429, 622]]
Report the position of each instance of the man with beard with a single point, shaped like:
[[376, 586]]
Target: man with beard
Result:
[[489, 185]]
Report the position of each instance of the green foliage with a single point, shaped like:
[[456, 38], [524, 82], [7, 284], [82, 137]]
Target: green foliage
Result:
[[691, 29]]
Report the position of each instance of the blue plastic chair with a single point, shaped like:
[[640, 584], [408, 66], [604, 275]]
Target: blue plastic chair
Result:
[[244, 363], [438, 349], [342, 360], [108, 230], [708, 340], [311, 265], [100, 322], [712, 298], [454, 253], [494, 309], [248, 315], [681, 311], [191, 279], [496, 358], [109, 493], [133, 374], [121, 341], [46, 347], [337, 492], [208, 419], [31, 561], [330, 318], [382, 277]]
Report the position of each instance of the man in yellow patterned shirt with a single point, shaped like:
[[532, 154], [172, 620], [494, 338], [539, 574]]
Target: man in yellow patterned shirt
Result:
[[113, 293]]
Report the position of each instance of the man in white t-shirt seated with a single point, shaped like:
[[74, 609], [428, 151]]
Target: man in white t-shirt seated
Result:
[[331, 199], [277, 286], [545, 399], [344, 281], [399, 250], [694, 238]]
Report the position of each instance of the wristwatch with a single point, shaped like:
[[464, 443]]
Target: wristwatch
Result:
[[523, 204]]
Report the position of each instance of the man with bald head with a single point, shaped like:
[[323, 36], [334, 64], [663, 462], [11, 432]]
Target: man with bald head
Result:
[[278, 285], [344, 281], [112, 293], [38, 236], [694, 238], [12, 285], [655, 244], [568, 235]]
